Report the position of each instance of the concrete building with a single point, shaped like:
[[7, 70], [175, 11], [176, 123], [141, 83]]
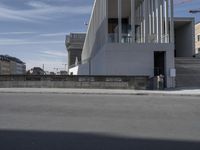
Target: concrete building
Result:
[[197, 38], [36, 71], [12, 65], [74, 44], [135, 38], [4, 65], [18, 67]]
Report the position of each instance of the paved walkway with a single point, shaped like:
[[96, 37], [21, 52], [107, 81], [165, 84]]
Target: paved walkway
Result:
[[178, 92]]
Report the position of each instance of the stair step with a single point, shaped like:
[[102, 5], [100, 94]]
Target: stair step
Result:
[[188, 72]]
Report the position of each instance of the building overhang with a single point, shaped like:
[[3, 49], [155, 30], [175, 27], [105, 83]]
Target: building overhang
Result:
[[181, 21]]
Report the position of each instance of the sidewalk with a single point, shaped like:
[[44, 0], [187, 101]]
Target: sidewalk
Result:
[[175, 92]]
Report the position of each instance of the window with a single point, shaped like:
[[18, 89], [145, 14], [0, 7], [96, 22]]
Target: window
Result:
[[198, 38]]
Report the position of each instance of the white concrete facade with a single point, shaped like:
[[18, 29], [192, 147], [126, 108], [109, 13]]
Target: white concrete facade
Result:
[[197, 38], [123, 36]]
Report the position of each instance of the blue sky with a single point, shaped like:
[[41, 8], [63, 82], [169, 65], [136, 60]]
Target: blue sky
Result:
[[34, 30]]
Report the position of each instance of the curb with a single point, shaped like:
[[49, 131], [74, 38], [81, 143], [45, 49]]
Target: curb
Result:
[[99, 93]]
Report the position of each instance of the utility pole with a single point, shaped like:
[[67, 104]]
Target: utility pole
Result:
[[43, 66]]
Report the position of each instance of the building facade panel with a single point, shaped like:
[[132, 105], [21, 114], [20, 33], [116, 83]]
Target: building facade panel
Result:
[[120, 59], [4, 67], [96, 35], [197, 38]]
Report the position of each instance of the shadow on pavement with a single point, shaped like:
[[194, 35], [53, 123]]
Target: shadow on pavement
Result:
[[36, 140]]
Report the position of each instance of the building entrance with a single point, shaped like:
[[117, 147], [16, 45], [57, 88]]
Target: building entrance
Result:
[[159, 67], [159, 63]]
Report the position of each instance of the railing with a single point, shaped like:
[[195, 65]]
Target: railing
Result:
[[114, 38], [152, 38], [126, 38], [165, 38]]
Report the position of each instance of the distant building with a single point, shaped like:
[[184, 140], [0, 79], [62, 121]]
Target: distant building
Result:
[[11, 66], [62, 72], [17, 66], [74, 45], [36, 71], [197, 38], [52, 73], [4, 65]]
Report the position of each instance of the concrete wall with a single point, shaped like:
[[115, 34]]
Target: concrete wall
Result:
[[132, 60], [62, 84], [140, 83], [185, 40]]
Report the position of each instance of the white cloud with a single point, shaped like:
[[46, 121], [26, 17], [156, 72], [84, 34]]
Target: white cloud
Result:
[[40, 12], [42, 34], [16, 33], [55, 53], [54, 34], [37, 4], [4, 41]]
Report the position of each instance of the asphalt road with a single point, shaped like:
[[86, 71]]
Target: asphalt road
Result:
[[98, 122]]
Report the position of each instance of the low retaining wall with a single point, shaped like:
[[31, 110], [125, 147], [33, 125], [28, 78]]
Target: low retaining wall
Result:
[[140, 83]]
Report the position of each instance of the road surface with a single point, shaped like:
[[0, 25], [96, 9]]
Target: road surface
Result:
[[98, 122]]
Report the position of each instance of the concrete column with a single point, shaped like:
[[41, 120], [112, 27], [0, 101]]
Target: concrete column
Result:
[[146, 21], [120, 19], [161, 21], [143, 20], [138, 21], [133, 20], [106, 15], [137, 14], [150, 16], [141, 24], [153, 17], [166, 21], [158, 20], [172, 21]]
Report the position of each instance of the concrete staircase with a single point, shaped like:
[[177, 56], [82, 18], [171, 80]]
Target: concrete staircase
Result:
[[188, 72]]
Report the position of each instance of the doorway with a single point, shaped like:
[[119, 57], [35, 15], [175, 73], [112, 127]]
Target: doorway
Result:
[[159, 63]]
